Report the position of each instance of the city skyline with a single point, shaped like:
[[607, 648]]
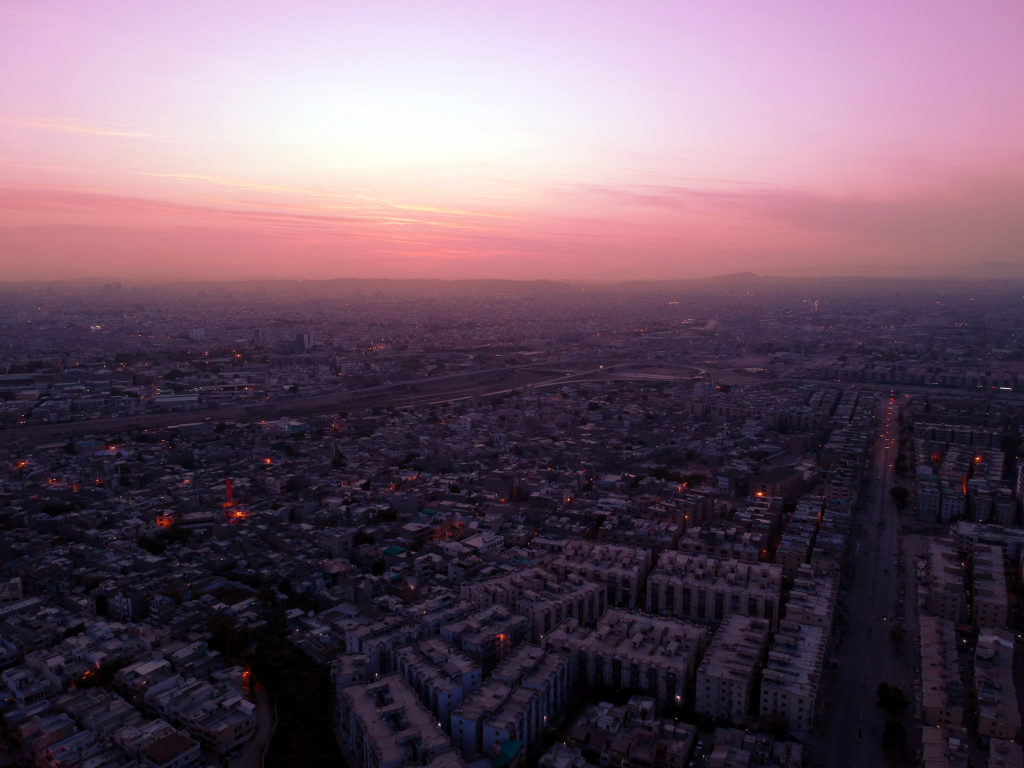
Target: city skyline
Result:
[[469, 141]]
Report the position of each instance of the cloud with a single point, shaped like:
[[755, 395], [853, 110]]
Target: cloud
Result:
[[74, 125], [953, 217], [452, 211], [237, 184]]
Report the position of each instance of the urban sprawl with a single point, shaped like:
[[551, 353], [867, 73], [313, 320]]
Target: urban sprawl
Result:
[[725, 523]]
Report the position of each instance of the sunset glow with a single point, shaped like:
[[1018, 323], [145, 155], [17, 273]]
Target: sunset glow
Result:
[[199, 140]]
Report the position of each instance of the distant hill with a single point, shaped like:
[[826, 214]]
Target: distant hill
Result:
[[992, 271]]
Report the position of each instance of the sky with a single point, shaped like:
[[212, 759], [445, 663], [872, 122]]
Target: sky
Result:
[[207, 139]]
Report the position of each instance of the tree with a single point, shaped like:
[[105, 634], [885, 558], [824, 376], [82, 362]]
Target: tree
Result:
[[363, 537], [896, 634], [226, 637], [153, 546], [891, 699], [894, 736], [776, 724], [900, 496]]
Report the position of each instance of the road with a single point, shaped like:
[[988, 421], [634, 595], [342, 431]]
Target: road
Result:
[[850, 734], [251, 754]]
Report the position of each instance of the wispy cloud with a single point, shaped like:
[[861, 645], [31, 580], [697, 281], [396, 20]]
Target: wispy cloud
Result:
[[452, 211], [220, 181], [74, 125]]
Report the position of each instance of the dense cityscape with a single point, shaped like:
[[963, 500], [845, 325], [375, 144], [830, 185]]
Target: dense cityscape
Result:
[[715, 523]]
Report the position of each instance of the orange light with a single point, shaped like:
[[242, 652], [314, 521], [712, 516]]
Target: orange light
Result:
[[267, 461]]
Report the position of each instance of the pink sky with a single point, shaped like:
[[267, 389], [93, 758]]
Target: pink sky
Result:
[[580, 140]]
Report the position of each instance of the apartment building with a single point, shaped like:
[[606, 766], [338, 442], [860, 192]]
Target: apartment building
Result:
[[384, 725], [540, 595], [942, 695], [526, 692], [994, 688], [945, 580], [710, 589], [726, 676], [441, 676], [989, 598], [654, 654], [623, 570], [789, 687]]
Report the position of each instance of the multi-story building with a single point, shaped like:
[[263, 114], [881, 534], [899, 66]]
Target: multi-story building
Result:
[[945, 580], [439, 674], [488, 635], [812, 599], [540, 595], [942, 696], [726, 676], [1004, 506], [527, 691], [944, 747], [994, 688], [653, 654], [954, 500], [726, 542], [929, 498], [789, 686], [623, 570], [709, 589], [798, 538], [384, 725], [989, 598]]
